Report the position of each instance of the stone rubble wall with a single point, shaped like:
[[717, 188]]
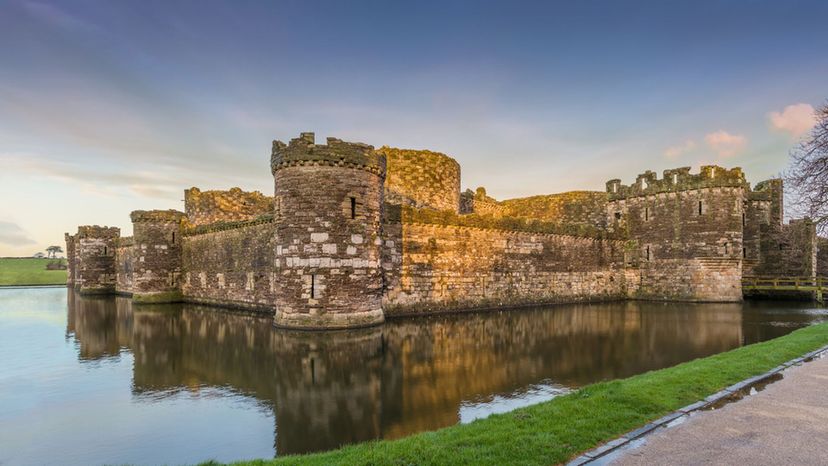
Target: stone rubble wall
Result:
[[688, 243], [788, 250], [822, 257], [421, 178], [157, 236], [124, 262], [447, 267], [95, 251], [208, 207], [230, 267]]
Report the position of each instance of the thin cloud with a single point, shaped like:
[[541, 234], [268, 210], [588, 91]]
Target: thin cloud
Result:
[[726, 144], [674, 152], [12, 235], [795, 120]]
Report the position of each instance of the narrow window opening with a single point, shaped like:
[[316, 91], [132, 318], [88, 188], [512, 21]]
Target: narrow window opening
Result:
[[615, 187], [313, 287], [173, 237], [105, 251], [744, 253], [618, 215], [646, 214], [675, 178], [648, 253], [744, 221], [700, 207], [353, 207], [727, 248], [313, 371]]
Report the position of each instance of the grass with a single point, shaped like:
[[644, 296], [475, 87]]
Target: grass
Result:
[[560, 429], [29, 271]]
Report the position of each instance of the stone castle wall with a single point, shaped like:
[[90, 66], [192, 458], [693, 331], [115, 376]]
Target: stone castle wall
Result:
[[353, 234], [443, 267], [124, 263], [206, 207], [92, 259], [822, 257], [230, 266], [421, 178], [687, 232], [329, 201]]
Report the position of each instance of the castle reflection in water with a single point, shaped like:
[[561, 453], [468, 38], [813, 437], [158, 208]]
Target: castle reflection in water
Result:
[[328, 389]]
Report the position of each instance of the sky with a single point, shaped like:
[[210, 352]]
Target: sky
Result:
[[108, 106]]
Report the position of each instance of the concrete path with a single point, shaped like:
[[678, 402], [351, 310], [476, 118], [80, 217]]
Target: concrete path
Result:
[[786, 423]]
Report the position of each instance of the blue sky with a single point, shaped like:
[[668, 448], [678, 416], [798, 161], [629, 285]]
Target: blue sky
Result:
[[112, 106]]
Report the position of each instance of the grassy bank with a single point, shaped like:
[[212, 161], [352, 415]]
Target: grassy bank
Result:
[[29, 271], [560, 429]]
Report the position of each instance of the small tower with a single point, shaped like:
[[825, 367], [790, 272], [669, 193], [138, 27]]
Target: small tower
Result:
[[328, 208], [94, 263], [157, 256]]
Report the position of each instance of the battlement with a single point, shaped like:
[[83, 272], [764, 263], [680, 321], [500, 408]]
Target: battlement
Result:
[[96, 231], [157, 216], [304, 151], [677, 179]]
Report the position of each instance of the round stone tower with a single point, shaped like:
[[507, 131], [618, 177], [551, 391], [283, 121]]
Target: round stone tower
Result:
[[157, 254], [328, 208]]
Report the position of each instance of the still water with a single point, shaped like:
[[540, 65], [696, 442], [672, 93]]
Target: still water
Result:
[[96, 380]]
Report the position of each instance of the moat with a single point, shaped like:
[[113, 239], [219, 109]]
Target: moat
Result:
[[96, 380]]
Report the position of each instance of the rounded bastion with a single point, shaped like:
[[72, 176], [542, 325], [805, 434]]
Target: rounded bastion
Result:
[[328, 210]]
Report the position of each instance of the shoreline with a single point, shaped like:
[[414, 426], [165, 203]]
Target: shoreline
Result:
[[570, 427]]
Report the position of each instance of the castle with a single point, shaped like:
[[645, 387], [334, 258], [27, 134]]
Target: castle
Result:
[[353, 234]]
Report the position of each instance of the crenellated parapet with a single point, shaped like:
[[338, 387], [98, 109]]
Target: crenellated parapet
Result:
[[303, 151], [676, 180]]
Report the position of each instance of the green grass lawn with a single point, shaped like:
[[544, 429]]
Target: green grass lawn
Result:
[[29, 271], [560, 429]]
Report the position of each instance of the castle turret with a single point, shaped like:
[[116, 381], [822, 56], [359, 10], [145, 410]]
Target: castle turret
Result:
[[328, 207], [688, 229], [157, 256], [94, 263]]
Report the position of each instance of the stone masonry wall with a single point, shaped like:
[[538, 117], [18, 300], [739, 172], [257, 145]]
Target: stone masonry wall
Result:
[[788, 250], [206, 207], [822, 257], [231, 267], [435, 268], [157, 253], [686, 231], [574, 207], [329, 201], [124, 262], [95, 253], [421, 178]]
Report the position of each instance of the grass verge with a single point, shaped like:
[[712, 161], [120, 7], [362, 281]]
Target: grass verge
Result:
[[558, 430], [29, 271]]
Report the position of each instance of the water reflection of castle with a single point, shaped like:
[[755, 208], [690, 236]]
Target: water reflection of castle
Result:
[[406, 376]]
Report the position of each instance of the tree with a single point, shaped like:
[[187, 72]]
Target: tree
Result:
[[54, 250], [807, 178]]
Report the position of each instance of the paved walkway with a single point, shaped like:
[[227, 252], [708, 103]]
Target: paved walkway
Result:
[[786, 423]]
